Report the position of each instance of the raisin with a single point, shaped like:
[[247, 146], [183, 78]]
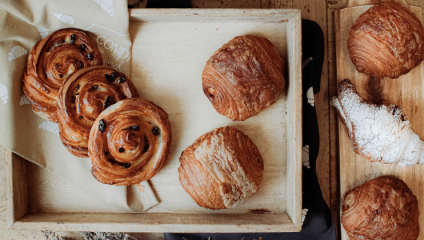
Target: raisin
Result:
[[102, 125], [155, 131]]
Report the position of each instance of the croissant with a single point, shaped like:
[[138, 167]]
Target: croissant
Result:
[[243, 77], [83, 96], [51, 61], [379, 133], [386, 41], [129, 142], [383, 208], [222, 169]]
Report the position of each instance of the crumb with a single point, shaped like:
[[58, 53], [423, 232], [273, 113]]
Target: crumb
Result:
[[216, 28], [140, 187]]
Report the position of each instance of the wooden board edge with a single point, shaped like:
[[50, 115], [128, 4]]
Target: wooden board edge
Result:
[[294, 109], [153, 223], [210, 14], [16, 187], [355, 3]]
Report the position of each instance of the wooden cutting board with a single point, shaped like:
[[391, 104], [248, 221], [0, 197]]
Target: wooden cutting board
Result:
[[406, 92]]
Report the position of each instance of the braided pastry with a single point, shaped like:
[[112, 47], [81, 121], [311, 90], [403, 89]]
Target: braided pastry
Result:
[[51, 61], [383, 208], [386, 41], [83, 96], [221, 169], [243, 77], [129, 142], [380, 133]]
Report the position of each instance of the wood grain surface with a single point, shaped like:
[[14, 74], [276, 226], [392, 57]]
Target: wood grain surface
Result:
[[320, 11], [405, 92]]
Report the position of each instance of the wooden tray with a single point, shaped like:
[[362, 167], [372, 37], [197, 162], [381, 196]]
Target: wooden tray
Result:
[[406, 92], [170, 49]]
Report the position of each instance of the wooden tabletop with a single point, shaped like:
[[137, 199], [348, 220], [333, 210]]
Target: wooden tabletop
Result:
[[320, 11]]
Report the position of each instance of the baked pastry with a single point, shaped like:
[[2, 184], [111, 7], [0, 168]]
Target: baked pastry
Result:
[[386, 41], [243, 77], [383, 208], [379, 133], [222, 169], [83, 96], [51, 61], [129, 142]]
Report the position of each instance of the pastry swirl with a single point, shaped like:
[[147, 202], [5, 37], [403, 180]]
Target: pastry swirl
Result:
[[386, 41], [383, 208], [83, 96], [221, 169], [51, 61], [243, 77], [129, 142]]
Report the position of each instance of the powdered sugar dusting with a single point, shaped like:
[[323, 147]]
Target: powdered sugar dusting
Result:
[[379, 133]]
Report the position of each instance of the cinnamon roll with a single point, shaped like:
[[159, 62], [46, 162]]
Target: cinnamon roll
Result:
[[243, 77], [51, 61], [221, 169], [83, 96], [383, 208], [129, 142]]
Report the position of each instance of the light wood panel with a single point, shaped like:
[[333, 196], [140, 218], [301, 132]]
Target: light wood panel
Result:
[[17, 187], [405, 92], [169, 76]]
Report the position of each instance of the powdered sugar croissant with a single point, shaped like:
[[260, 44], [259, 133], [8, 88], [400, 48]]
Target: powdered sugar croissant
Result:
[[380, 133]]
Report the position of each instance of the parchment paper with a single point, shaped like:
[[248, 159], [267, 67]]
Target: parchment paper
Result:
[[22, 24]]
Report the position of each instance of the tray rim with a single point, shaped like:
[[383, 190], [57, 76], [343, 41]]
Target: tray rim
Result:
[[18, 216]]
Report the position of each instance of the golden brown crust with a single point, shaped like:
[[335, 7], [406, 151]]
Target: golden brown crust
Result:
[[134, 144], [51, 61], [221, 169], [83, 96], [243, 77], [386, 41], [383, 208]]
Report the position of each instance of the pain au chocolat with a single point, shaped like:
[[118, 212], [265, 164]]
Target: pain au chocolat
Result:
[[221, 169], [243, 77], [51, 61], [83, 96], [386, 41], [383, 208]]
